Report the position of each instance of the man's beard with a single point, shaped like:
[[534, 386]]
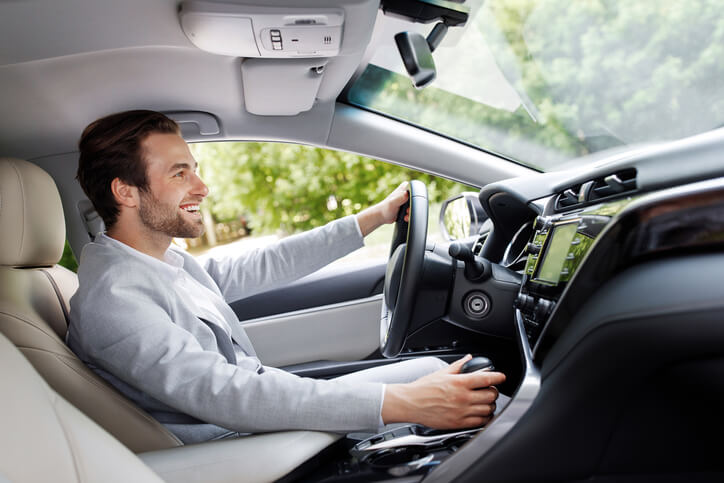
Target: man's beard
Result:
[[166, 219]]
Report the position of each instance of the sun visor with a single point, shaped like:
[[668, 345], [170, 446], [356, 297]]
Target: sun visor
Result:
[[266, 32], [281, 87]]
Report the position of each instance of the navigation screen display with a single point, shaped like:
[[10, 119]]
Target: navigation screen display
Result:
[[559, 244]]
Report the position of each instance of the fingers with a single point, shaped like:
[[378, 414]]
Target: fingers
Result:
[[475, 421], [455, 367], [478, 379], [402, 187], [399, 196], [484, 396], [484, 410]]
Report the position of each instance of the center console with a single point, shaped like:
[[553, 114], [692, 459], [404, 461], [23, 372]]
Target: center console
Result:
[[409, 450], [559, 243]]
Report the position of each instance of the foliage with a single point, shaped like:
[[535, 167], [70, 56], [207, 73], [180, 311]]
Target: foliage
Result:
[[294, 187], [68, 260]]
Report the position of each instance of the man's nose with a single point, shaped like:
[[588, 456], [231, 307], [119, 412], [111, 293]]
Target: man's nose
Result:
[[199, 187]]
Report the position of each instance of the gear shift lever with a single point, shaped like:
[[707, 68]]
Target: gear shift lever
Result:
[[477, 364]]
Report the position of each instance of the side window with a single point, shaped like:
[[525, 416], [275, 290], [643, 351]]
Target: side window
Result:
[[259, 192], [68, 259]]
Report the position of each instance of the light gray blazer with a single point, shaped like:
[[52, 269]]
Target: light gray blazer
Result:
[[129, 324]]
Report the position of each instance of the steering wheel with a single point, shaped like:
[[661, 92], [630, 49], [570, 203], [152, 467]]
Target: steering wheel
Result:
[[404, 271]]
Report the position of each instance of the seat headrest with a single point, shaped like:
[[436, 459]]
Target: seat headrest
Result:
[[32, 226]]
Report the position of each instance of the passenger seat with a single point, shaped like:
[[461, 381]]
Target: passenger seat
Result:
[[34, 295]]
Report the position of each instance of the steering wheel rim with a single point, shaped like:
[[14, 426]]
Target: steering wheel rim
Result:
[[404, 271]]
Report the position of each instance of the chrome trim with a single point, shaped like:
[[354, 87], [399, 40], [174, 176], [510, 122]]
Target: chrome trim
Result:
[[313, 310], [539, 205], [407, 468], [475, 449], [417, 440], [506, 255]]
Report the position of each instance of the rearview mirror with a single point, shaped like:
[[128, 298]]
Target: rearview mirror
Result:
[[461, 216], [417, 58]]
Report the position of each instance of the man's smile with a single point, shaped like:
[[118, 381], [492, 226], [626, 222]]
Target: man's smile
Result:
[[192, 208]]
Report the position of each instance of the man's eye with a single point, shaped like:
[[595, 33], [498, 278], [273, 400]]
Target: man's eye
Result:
[[180, 174]]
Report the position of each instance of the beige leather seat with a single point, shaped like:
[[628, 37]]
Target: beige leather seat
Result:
[[43, 438], [34, 295]]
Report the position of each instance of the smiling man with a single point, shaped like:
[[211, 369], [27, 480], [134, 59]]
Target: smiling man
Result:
[[156, 324]]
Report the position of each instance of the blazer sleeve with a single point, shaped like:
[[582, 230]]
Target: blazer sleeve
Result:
[[138, 342], [284, 261]]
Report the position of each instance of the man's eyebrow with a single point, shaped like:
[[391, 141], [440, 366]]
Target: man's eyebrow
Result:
[[183, 166]]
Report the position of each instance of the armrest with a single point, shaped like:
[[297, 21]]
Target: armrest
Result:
[[259, 457]]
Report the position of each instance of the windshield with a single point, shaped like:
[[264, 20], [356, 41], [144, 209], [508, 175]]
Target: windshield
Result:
[[541, 82]]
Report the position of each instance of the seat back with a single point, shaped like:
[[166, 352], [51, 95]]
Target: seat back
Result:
[[46, 439], [34, 295]]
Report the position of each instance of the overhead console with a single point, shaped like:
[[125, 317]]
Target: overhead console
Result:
[[291, 57], [260, 31]]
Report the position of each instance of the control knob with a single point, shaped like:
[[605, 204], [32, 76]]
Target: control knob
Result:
[[524, 302], [542, 309]]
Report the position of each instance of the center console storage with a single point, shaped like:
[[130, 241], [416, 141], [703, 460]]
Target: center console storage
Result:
[[407, 450]]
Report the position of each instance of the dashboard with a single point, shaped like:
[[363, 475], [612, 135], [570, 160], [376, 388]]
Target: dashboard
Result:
[[548, 226], [619, 293], [557, 246]]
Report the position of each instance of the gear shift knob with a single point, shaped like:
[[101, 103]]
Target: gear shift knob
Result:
[[477, 364]]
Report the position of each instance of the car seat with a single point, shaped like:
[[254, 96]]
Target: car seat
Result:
[[34, 295], [46, 439]]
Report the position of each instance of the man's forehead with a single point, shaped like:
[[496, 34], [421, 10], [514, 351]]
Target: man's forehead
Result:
[[167, 151]]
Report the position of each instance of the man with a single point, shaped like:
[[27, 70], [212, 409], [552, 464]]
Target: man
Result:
[[155, 323]]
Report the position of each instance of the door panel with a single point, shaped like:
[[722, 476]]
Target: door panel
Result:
[[345, 331], [328, 286]]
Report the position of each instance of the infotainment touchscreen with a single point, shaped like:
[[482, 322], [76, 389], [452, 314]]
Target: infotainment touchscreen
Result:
[[557, 248]]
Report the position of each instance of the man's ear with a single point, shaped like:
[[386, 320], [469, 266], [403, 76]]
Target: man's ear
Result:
[[124, 193]]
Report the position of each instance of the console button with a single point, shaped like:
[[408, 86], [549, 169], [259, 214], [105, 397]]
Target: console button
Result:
[[539, 223], [533, 248], [524, 302]]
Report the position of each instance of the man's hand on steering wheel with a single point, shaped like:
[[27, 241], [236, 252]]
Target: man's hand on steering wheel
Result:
[[384, 212], [390, 206]]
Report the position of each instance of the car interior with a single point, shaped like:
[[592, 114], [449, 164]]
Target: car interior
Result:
[[593, 279]]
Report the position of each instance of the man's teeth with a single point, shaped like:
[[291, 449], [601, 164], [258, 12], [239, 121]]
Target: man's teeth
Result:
[[191, 208]]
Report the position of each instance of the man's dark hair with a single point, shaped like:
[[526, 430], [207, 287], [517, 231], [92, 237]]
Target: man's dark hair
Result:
[[111, 148]]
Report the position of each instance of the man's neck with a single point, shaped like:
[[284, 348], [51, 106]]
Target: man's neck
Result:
[[152, 244]]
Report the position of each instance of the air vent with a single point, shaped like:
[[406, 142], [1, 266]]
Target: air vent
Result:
[[613, 184], [568, 198]]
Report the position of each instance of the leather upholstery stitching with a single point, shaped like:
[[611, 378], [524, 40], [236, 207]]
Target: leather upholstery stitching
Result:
[[58, 294], [53, 336], [22, 217]]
